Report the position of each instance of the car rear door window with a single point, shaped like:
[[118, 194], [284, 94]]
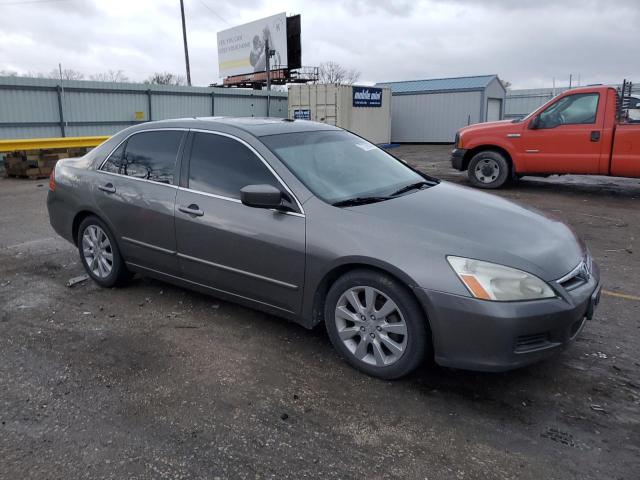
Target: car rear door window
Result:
[[147, 155], [222, 166]]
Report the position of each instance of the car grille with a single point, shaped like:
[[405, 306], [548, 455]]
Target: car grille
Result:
[[573, 283], [578, 276]]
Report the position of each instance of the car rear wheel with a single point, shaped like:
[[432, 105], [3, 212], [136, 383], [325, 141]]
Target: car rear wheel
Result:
[[488, 169], [99, 253], [376, 324]]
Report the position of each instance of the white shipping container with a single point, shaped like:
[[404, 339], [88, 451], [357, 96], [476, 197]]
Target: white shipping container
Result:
[[334, 105]]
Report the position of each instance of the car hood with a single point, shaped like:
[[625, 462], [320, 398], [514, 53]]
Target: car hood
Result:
[[502, 124], [449, 219]]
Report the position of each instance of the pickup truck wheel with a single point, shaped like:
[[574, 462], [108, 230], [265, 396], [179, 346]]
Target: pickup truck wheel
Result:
[[488, 169]]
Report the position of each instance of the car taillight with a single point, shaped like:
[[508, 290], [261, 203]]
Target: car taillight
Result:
[[52, 179]]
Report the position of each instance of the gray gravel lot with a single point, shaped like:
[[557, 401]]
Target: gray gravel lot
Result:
[[153, 381]]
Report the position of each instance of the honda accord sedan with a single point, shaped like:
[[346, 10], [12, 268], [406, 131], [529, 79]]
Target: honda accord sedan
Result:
[[312, 223]]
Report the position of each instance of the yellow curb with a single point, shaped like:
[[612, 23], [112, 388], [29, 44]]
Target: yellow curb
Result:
[[620, 295]]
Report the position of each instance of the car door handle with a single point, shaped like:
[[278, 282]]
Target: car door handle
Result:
[[109, 188], [595, 136], [192, 209]]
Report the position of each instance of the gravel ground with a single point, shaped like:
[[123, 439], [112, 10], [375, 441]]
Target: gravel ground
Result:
[[153, 381]]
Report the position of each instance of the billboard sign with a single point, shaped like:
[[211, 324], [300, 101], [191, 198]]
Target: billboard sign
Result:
[[241, 49], [367, 97], [302, 114]]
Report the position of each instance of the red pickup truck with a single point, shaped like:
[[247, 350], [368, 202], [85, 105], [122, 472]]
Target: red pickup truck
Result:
[[587, 131]]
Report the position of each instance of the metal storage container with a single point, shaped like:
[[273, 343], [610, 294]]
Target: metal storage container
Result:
[[432, 110], [365, 111]]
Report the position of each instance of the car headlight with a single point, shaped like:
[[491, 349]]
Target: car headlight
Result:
[[491, 281]]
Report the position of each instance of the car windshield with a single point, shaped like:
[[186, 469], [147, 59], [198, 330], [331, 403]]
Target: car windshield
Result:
[[338, 166]]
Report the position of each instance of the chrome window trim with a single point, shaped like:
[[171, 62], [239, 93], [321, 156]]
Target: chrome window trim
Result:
[[176, 129], [235, 200], [213, 195], [255, 152], [207, 194], [170, 185]]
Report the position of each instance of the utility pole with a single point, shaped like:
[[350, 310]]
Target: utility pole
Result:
[[61, 103], [186, 49], [268, 53]]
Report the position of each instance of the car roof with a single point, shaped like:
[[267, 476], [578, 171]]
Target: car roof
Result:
[[256, 126]]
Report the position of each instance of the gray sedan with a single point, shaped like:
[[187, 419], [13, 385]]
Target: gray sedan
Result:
[[309, 222]]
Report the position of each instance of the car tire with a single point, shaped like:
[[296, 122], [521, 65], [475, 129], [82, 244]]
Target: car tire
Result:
[[488, 169], [100, 255], [384, 340]]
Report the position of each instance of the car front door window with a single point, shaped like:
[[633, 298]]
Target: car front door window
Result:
[[578, 109], [222, 166]]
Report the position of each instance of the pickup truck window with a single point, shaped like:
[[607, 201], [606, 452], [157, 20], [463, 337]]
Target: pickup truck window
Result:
[[580, 108]]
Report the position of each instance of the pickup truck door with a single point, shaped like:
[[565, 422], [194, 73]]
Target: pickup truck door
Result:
[[567, 136]]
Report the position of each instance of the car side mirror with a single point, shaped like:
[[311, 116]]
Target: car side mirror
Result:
[[535, 123], [261, 196]]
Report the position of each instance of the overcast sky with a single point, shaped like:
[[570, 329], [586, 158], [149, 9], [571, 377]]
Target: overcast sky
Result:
[[525, 42]]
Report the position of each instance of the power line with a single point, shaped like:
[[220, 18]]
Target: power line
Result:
[[25, 2], [214, 12]]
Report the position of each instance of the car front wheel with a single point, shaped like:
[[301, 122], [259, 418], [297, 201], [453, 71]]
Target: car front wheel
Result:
[[376, 324]]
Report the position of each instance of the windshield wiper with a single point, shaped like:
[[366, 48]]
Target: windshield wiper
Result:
[[350, 202], [413, 186]]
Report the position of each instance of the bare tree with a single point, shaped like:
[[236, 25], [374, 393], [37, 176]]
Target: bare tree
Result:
[[334, 73], [67, 74], [110, 76], [29, 74], [166, 78], [505, 83], [34, 74]]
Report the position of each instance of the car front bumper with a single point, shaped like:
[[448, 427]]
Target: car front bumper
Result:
[[475, 334], [457, 158]]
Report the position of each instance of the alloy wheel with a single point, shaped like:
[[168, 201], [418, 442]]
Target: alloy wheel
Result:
[[97, 251], [371, 326]]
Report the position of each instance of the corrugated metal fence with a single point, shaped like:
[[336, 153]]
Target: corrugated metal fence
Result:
[[520, 103], [34, 107]]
